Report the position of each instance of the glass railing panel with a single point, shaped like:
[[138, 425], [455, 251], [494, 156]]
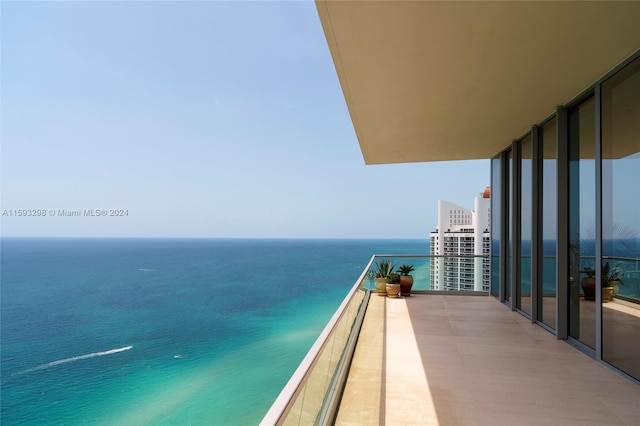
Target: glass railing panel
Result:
[[309, 396], [309, 404], [293, 417], [310, 401]]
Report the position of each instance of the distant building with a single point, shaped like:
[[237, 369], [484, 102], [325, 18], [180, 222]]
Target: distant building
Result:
[[462, 232]]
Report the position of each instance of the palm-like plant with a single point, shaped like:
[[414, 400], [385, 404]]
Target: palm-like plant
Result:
[[589, 271], [405, 269], [384, 268]]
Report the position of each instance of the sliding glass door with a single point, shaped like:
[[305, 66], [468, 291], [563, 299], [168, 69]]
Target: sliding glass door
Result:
[[547, 288], [621, 218], [582, 220]]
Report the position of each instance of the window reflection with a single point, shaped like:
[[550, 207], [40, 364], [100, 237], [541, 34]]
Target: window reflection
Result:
[[496, 199], [582, 210], [526, 209], [508, 280], [621, 217], [547, 288]]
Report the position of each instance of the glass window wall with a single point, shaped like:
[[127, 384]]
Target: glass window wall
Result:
[[582, 209], [526, 209], [613, 167], [547, 287], [509, 218], [621, 219], [496, 199]]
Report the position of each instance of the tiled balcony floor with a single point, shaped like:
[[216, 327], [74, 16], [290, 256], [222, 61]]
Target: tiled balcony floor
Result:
[[469, 360]]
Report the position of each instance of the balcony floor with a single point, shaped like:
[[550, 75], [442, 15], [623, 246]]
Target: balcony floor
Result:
[[469, 360]]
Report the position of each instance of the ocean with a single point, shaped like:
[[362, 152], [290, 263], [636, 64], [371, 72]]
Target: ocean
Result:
[[165, 331]]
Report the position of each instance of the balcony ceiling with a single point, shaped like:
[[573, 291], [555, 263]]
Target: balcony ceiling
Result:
[[435, 81]]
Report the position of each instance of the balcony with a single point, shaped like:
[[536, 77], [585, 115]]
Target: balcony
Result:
[[469, 360], [446, 358]]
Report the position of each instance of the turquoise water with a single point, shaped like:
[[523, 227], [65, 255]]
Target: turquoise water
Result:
[[165, 331]]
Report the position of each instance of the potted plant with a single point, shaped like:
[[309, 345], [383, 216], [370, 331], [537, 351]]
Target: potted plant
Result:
[[611, 277], [384, 268], [393, 286], [406, 280], [588, 283]]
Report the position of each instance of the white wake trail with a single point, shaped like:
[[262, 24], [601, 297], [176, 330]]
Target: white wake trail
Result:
[[73, 359]]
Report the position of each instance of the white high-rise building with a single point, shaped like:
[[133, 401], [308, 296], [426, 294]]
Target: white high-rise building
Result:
[[462, 232]]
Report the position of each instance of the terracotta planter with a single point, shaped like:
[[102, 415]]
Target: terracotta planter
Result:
[[393, 290], [589, 288], [381, 286], [406, 282]]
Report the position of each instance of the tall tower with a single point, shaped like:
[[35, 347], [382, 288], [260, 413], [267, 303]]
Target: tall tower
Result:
[[462, 232]]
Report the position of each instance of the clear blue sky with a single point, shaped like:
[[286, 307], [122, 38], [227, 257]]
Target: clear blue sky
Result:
[[202, 119]]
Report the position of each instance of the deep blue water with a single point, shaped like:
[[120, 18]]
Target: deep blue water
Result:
[[165, 331]]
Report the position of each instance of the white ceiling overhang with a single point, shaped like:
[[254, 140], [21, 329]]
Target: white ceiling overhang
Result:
[[456, 80]]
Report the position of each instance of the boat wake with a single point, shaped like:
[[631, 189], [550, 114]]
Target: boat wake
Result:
[[73, 359]]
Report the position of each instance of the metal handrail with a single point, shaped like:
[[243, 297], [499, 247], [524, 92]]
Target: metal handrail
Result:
[[431, 256]]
